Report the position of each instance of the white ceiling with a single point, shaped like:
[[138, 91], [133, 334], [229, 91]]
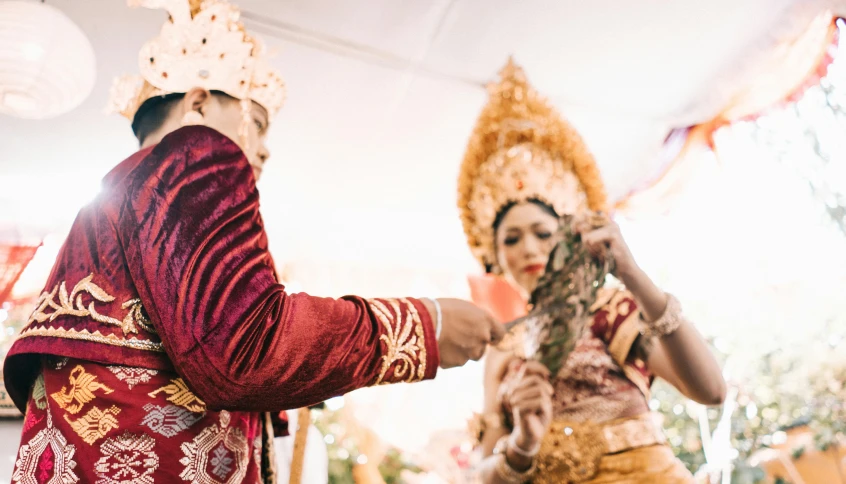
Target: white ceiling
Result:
[[382, 97]]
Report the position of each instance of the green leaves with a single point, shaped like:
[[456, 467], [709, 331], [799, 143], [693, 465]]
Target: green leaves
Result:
[[562, 300]]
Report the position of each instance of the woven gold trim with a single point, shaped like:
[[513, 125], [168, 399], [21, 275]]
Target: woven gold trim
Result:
[[95, 337]]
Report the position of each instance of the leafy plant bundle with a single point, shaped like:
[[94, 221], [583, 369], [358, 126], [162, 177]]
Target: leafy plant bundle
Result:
[[561, 302]]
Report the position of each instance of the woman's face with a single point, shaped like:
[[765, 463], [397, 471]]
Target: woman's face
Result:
[[524, 239]]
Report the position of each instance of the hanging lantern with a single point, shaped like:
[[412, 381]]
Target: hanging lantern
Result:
[[47, 64]]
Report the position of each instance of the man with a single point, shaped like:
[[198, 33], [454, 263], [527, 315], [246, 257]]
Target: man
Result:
[[162, 341]]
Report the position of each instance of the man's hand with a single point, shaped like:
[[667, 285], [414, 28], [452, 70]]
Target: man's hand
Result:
[[466, 331]]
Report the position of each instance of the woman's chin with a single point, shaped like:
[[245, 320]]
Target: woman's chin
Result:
[[526, 285]]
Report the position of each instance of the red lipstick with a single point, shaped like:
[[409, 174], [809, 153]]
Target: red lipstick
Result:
[[534, 269]]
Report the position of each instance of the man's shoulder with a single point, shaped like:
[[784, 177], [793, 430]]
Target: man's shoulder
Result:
[[164, 163], [195, 144], [181, 150]]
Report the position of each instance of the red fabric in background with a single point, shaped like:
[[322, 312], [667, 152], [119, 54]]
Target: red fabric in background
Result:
[[13, 261], [497, 296]]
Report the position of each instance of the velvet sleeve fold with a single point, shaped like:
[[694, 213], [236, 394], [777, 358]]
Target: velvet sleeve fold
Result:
[[197, 252]]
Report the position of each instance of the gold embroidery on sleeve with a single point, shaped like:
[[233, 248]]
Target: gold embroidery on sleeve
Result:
[[81, 391], [136, 315], [180, 395], [404, 338], [72, 305]]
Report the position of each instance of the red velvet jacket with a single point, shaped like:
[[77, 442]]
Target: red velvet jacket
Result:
[[168, 269]]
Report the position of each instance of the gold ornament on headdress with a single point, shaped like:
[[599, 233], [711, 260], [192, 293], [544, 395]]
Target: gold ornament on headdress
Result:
[[522, 149], [202, 44]]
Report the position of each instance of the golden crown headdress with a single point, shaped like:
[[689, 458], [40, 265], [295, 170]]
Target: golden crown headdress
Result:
[[202, 44], [521, 149]]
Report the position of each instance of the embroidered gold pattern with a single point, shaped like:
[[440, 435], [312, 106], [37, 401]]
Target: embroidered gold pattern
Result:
[[406, 349], [95, 424], [95, 337], [132, 376], [73, 305], [180, 395], [570, 453], [127, 459], [48, 444], [81, 391], [219, 454], [136, 314]]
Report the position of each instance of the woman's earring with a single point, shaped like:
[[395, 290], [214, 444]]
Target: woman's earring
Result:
[[193, 118]]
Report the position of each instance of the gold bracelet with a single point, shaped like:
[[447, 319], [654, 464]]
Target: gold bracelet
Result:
[[668, 323], [507, 474], [529, 454], [501, 445]]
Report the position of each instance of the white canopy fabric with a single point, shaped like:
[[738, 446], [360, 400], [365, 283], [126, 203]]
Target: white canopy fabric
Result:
[[383, 96]]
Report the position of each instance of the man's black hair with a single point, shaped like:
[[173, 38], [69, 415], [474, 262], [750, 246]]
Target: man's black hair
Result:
[[154, 111]]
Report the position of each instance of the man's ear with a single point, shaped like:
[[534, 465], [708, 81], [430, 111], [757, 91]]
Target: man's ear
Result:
[[195, 100]]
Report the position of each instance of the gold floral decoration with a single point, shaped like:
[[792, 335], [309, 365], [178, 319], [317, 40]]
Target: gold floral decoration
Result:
[[71, 304], [404, 338]]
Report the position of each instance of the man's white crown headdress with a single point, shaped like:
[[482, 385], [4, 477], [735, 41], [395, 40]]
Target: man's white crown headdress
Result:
[[202, 44]]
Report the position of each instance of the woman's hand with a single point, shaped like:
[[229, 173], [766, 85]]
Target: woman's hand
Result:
[[682, 358], [601, 235], [530, 400]]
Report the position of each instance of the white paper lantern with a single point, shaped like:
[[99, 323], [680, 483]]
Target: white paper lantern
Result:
[[47, 64]]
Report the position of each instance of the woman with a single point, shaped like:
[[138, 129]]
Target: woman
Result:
[[526, 167]]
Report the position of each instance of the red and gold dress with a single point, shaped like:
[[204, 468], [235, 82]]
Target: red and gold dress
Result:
[[523, 151], [163, 342], [602, 429]]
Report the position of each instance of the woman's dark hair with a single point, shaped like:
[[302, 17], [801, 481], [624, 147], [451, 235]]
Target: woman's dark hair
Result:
[[504, 211], [154, 111]]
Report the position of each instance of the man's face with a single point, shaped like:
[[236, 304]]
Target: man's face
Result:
[[226, 115]]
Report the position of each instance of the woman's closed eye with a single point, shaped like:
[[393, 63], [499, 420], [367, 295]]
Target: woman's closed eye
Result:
[[511, 240], [543, 235]]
